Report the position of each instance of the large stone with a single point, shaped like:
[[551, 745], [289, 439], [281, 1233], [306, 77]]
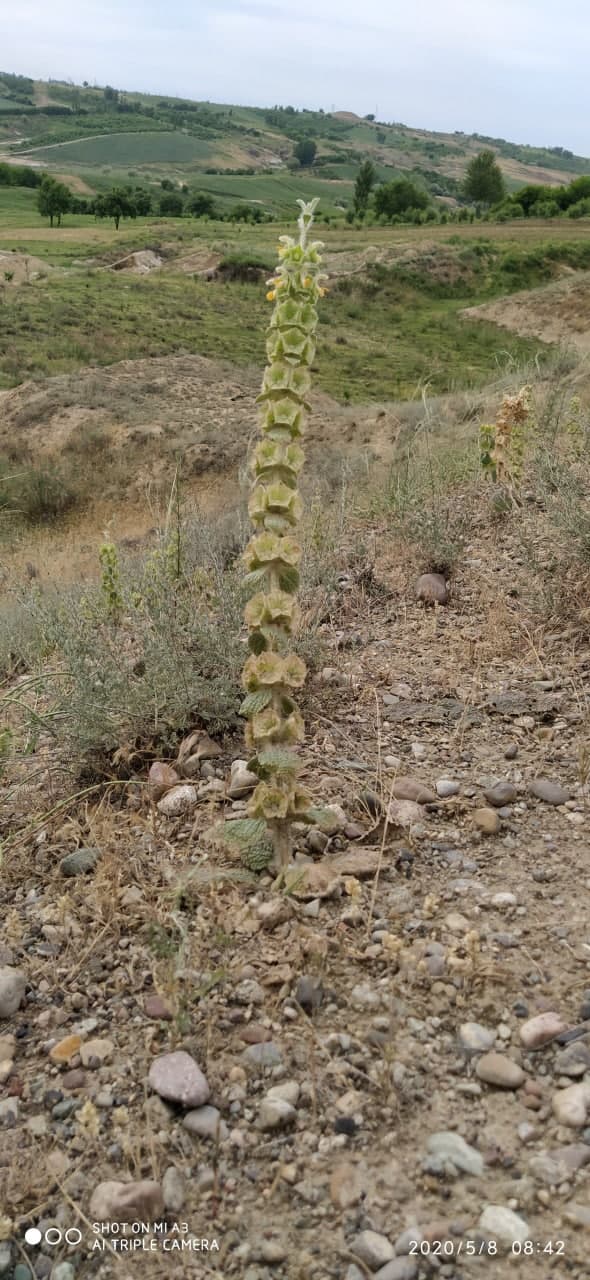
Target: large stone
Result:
[[373, 1249], [500, 794], [503, 1225], [161, 778], [410, 789], [398, 1269], [542, 1028], [174, 1189], [178, 800], [347, 1185], [65, 1049], [474, 1038], [450, 1147], [206, 1122], [572, 1105], [431, 588], [549, 792], [242, 780], [96, 1052], [405, 813], [176, 1077], [275, 1113], [126, 1201], [12, 990], [497, 1069], [79, 862], [486, 821]]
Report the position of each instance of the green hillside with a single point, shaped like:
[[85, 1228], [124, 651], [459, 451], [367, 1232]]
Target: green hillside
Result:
[[98, 133]]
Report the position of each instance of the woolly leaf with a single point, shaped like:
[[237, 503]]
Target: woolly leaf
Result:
[[254, 702]]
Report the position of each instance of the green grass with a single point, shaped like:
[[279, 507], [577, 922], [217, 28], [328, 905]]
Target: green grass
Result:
[[123, 149], [375, 342]]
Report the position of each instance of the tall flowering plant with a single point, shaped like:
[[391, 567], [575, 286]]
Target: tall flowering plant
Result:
[[273, 673]]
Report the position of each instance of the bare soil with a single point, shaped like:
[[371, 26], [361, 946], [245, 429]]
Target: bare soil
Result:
[[557, 312]]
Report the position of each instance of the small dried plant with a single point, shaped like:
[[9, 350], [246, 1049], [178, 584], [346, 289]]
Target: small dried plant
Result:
[[503, 443]]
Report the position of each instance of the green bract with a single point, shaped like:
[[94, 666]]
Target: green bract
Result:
[[272, 556]]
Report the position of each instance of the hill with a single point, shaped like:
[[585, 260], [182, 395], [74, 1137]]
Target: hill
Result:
[[101, 134]]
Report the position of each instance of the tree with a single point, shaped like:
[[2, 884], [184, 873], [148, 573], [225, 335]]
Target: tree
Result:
[[53, 199], [142, 201], [116, 204], [202, 205], [396, 197], [305, 152], [171, 205], [483, 179], [365, 181]]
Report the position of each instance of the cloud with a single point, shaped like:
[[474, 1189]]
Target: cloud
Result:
[[514, 68]]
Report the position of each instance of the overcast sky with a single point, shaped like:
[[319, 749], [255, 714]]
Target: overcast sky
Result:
[[516, 69]]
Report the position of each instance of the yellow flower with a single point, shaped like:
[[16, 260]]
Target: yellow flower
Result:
[[271, 295]]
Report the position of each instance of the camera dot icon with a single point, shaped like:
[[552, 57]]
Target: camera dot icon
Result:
[[33, 1235]]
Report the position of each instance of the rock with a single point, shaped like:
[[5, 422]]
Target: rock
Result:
[[75, 1079], [549, 792], [313, 880], [63, 1271], [445, 788], [372, 1248], [206, 1122], [5, 1256], [179, 800], [176, 1077], [275, 1113], [161, 778], [7, 1047], [542, 1028], [496, 1068], [288, 1091], [79, 862], [486, 821], [432, 589], [398, 1269], [272, 1251], [249, 991], [577, 1214], [500, 794], [347, 1185], [65, 1049], [572, 1105], [115, 1201], [21, 1272], [309, 993], [503, 900], [317, 840], [476, 1039], [263, 1055], [173, 1189], [501, 1224], [411, 789], [359, 863], [242, 781], [12, 990], [574, 1060], [8, 1110], [156, 1007], [255, 1033], [405, 813], [96, 1052], [451, 1147]]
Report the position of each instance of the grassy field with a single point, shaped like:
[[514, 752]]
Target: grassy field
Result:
[[119, 150], [384, 333]]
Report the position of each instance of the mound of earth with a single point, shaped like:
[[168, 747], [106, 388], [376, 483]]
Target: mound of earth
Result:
[[20, 268], [557, 312], [152, 410], [140, 263]]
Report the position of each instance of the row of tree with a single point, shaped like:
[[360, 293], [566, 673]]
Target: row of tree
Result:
[[54, 199]]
